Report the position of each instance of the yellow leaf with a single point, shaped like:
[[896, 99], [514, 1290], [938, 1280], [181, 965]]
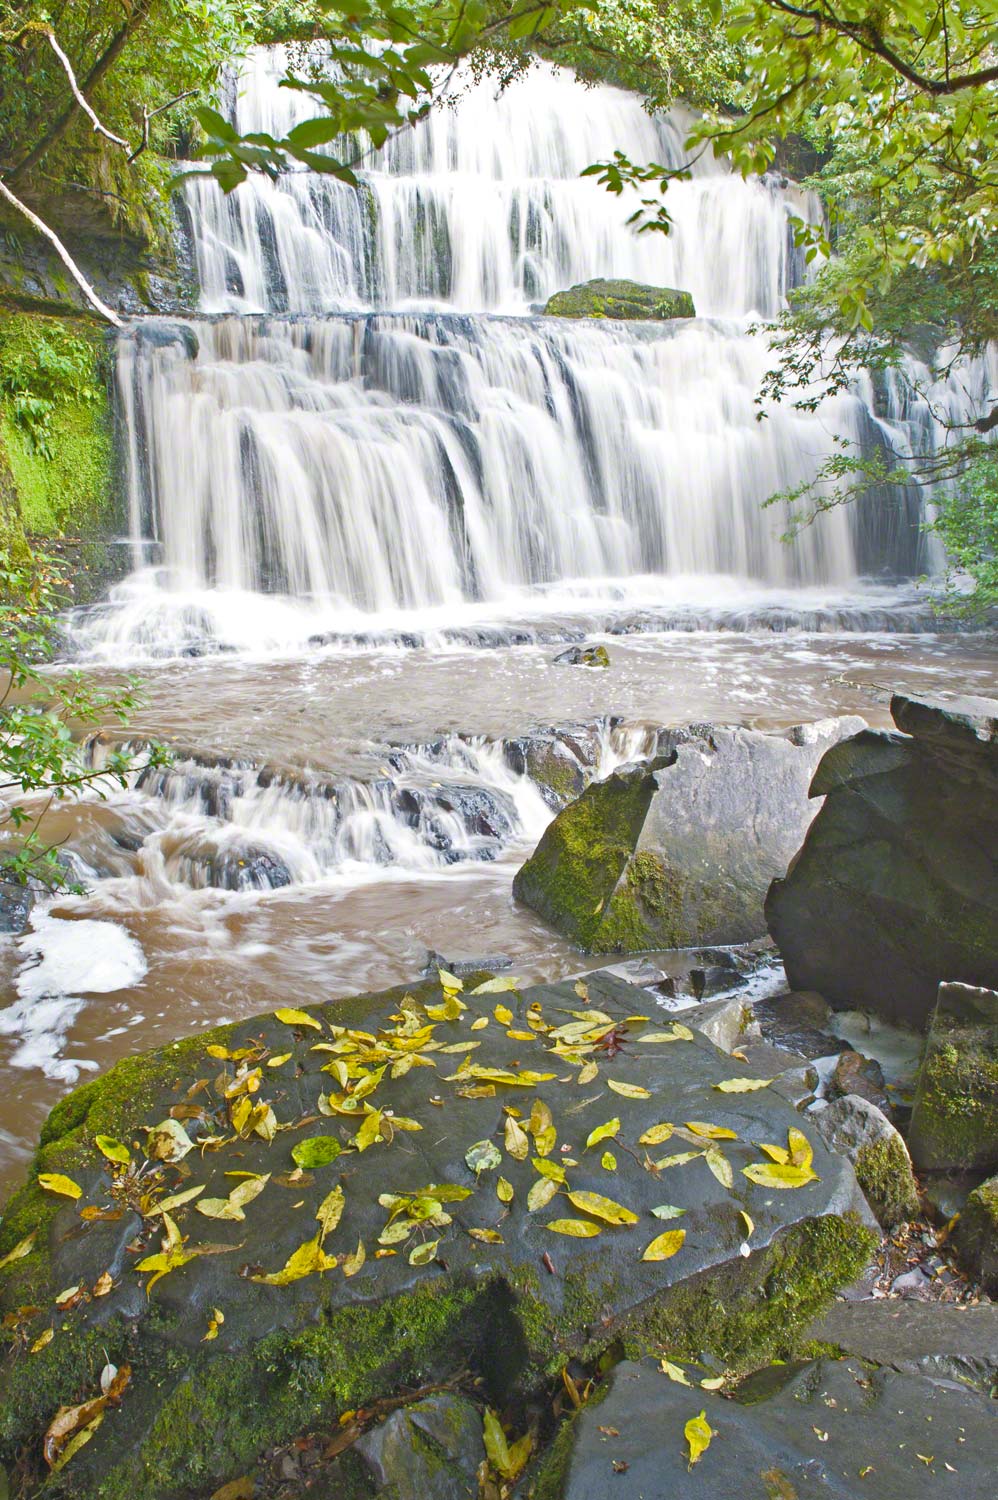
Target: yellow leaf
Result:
[[176, 1200], [608, 1161], [504, 1190], [665, 1245], [527, 1078], [20, 1250], [629, 1090], [369, 1131], [801, 1154], [577, 1229], [495, 1442], [305, 1261], [54, 1182], [296, 1018], [656, 1134], [540, 1120], [749, 1226], [104, 1284], [543, 1190], [42, 1340], [776, 1153], [711, 1132], [278, 1062], [698, 1434], [673, 1372], [679, 1160], [682, 1032], [352, 1263], [742, 1085], [77, 1441], [330, 1210], [589, 1071], [450, 981], [772, 1175], [603, 1208], [552, 1169], [582, 990], [602, 1132], [516, 1140], [497, 986], [503, 1015], [720, 1166], [487, 1236], [112, 1149], [169, 1141], [714, 1384], [660, 1036], [481, 1022], [423, 1254]]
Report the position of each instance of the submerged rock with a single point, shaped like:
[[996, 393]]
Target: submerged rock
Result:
[[896, 886], [679, 850], [976, 1235], [583, 656], [620, 299], [829, 1428], [16, 902], [854, 1075], [880, 1157], [954, 1122], [359, 1215]]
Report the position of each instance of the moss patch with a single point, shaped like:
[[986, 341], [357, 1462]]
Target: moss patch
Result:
[[955, 1117], [620, 299], [883, 1171], [55, 424], [977, 1234]]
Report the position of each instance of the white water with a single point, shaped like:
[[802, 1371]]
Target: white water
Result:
[[352, 468]]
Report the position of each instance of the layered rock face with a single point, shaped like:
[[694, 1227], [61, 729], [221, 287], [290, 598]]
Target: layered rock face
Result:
[[680, 850], [278, 1222], [896, 887]]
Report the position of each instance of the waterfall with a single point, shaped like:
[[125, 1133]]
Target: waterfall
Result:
[[369, 422]]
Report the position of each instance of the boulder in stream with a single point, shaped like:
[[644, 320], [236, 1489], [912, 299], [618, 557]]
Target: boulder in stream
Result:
[[679, 850], [620, 299], [273, 1223], [896, 886], [954, 1122], [853, 1125], [976, 1235]]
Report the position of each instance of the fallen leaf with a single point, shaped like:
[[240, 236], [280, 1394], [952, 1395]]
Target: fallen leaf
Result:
[[479, 1024], [516, 1140], [711, 1132], [317, 1151], [720, 1166], [112, 1149], [602, 1208], [773, 1175], [232, 1206], [20, 1250], [668, 1211], [497, 986], [698, 1434], [608, 1161], [423, 1254], [801, 1154], [352, 1263], [103, 1285], [578, 1229], [504, 1190], [305, 1261], [678, 1160], [543, 1190], [169, 1141], [588, 1072], [749, 1226], [330, 1210], [553, 1169], [483, 1156], [42, 1340], [656, 1134], [629, 1090], [674, 1372], [602, 1132], [280, 1060], [450, 981], [487, 1236], [714, 1384], [503, 1015], [243, 1488], [665, 1245], [174, 1201], [296, 1018], [55, 1182], [742, 1085], [369, 1132]]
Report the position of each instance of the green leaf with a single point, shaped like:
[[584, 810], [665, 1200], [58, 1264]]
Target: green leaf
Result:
[[317, 1151], [55, 1182], [483, 1156], [602, 1132], [668, 1211], [698, 1434], [112, 1149]]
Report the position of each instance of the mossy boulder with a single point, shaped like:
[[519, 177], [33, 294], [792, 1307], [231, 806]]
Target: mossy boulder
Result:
[[896, 887], [793, 1432], [954, 1122], [859, 1129], [472, 1278], [620, 299], [976, 1235], [679, 851]]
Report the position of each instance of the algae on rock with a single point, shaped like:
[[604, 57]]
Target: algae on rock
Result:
[[954, 1122], [620, 299]]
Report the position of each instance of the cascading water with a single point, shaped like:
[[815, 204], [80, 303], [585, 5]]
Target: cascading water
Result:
[[362, 467]]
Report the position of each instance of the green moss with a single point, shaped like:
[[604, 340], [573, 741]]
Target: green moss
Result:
[[620, 299], [977, 1234], [55, 425], [883, 1171], [572, 874], [553, 1473], [955, 1117]]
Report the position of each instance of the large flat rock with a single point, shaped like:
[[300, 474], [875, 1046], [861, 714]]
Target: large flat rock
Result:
[[828, 1430], [478, 1277]]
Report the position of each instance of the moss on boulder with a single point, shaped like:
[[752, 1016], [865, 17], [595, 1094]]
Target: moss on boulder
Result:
[[976, 1235], [620, 299], [954, 1123], [294, 1352]]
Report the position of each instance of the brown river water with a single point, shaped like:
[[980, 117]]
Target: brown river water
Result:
[[152, 952]]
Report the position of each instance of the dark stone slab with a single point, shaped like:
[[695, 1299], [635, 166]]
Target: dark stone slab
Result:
[[927, 1338], [829, 1430]]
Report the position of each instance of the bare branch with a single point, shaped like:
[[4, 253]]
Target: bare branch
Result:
[[63, 254], [150, 114], [80, 98]]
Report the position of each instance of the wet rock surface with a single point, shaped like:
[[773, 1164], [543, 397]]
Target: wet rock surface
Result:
[[895, 889], [830, 1428], [16, 902], [854, 1075], [681, 850], [856, 1127], [954, 1122], [976, 1234], [478, 1281], [942, 1339]]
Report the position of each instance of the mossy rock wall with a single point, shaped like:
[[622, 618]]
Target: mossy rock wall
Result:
[[954, 1122]]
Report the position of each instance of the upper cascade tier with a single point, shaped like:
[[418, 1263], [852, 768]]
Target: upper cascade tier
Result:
[[481, 208]]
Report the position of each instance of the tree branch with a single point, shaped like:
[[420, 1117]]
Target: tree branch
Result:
[[63, 254]]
